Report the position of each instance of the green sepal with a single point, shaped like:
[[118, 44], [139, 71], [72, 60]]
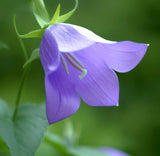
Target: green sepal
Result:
[[20, 40], [36, 33], [15, 26], [34, 56], [40, 12], [66, 16], [56, 16]]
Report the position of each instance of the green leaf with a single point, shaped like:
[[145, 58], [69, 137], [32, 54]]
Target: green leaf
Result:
[[40, 12], [65, 17], [56, 15], [3, 45], [34, 56], [4, 111], [24, 135], [36, 33], [86, 151], [65, 148]]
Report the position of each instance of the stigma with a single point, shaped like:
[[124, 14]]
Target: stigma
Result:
[[74, 62]]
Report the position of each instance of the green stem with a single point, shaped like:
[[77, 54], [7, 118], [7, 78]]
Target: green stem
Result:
[[24, 72], [20, 40]]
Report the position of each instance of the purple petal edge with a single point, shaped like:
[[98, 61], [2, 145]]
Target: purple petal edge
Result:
[[124, 56], [100, 87], [62, 99], [113, 152], [49, 53]]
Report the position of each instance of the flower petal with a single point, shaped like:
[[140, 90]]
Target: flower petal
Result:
[[49, 53], [100, 86], [124, 56], [90, 35], [68, 38], [62, 99], [113, 152], [120, 56]]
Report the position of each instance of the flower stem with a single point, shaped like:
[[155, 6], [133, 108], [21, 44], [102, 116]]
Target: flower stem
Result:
[[20, 40], [25, 72]]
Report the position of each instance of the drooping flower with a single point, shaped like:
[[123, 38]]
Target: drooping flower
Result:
[[79, 63], [113, 152]]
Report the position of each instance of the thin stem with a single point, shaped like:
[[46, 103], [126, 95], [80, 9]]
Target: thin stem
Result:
[[25, 72], [20, 40]]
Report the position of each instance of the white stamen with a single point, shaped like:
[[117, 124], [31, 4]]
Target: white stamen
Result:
[[64, 64], [76, 64]]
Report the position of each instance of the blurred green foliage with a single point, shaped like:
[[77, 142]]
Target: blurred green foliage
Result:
[[134, 126]]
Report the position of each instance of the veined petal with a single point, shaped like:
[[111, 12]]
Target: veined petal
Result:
[[68, 38], [90, 35], [100, 86], [113, 152], [62, 99], [124, 56], [120, 56], [49, 53]]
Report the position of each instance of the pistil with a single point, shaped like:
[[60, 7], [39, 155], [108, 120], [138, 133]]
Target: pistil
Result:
[[75, 63]]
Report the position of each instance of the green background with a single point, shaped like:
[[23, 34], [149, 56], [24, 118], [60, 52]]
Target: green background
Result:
[[134, 126]]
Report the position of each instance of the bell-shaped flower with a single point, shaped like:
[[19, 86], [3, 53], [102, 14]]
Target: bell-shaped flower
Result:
[[78, 63], [113, 152]]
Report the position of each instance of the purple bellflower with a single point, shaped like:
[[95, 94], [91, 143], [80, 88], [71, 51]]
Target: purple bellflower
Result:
[[79, 63], [113, 152]]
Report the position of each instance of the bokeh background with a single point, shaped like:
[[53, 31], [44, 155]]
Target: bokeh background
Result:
[[134, 126]]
